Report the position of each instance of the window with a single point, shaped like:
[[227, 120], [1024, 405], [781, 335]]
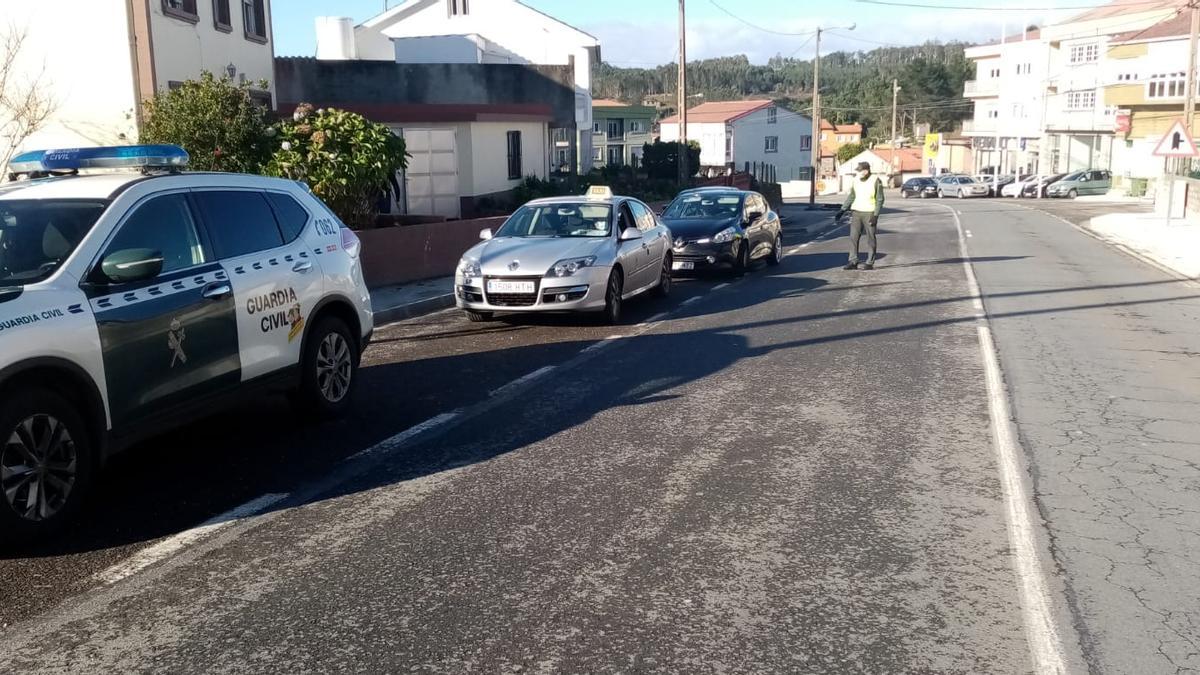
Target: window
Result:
[[514, 155], [290, 215], [457, 7], [637, 127], [1088, 53], [37, 235], [596, 128], [643, 217], [254, 20], [616, 129], [754, 204], [240, 222], [181, 9], [806, 142], [1024, 68], [222, 20], [1167, 85], [1081, 100], [616, 155], [163, 224], [772, 115], [993, 114], [771, 144], [1127, 77]]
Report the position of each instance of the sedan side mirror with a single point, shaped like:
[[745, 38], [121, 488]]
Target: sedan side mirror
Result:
[[486, 234], [630, 234], [132, 264], [753, 216]]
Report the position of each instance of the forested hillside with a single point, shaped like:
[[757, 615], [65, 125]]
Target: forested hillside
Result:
[[856, 85]]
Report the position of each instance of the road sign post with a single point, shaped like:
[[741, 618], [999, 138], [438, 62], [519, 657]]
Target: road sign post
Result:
[[1176, 143]]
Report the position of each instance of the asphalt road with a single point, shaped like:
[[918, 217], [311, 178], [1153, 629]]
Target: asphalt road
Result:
[[794, 472]]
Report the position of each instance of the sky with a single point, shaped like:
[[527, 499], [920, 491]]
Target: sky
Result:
[[643, 33]]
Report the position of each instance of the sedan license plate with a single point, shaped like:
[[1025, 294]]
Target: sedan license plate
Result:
[[501, 287], [683, 265]]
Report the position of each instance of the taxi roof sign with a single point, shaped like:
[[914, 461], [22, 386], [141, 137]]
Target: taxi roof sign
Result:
[[1177, 142], [600, 192], [104, 157]]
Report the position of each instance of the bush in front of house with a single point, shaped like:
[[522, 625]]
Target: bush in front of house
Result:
[[346, 160], [661, 160], [215, 120]]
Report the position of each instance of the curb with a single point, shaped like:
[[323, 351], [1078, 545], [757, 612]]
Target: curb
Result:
[[413, 309]]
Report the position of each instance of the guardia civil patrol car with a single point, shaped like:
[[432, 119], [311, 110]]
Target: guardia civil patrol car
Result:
[[132, 300]]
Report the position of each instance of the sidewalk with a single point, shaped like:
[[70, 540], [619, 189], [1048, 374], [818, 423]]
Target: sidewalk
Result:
[[405, 301], [1175, 246]]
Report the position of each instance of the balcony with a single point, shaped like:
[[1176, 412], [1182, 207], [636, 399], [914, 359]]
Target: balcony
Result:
[[981, 88]]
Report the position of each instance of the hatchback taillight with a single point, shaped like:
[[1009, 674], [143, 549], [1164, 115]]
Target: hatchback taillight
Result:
[[350, 242]]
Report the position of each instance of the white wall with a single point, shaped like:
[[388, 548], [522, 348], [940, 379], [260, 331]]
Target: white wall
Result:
[[710, 136], [88, 69], [439, 49], [489, 153], [749, 141], [183, 49]]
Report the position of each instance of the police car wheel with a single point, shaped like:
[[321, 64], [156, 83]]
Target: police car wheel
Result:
[[329, 369], [45, 464]]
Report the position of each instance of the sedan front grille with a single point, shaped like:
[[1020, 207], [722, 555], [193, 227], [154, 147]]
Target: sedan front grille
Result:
[[513, 299]]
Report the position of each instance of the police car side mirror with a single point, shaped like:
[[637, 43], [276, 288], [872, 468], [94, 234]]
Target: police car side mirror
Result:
[[132, 264]]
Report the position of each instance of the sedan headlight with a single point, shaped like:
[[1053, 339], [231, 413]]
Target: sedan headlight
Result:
[[468, 268], [725, 236], [568, 267]]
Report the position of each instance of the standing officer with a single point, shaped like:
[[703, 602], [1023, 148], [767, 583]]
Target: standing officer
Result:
[[864, 202]]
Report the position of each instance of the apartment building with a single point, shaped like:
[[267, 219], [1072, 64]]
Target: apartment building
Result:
[[619, 132], [1040, 94]]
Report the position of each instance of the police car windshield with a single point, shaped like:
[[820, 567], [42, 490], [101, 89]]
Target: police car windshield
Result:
[[559, 220], [37, 235], [704, 207]]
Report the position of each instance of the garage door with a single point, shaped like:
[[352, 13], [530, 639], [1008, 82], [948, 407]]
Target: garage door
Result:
[[431, 181]]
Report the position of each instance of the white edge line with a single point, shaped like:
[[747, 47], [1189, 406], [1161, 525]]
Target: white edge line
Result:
[[393, 441], [719, 286], [540, 372], [1045, 644], [173, 544], [691, 301]]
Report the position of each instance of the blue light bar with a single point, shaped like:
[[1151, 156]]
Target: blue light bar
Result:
[[112, 157]]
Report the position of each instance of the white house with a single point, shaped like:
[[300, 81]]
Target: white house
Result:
[[477, 31], [738, 133], [99, 60], [1040, 94]]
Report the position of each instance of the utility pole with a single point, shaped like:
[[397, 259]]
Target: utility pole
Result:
[[816, 155], [1189, 105], [684, 172], [895, 95]]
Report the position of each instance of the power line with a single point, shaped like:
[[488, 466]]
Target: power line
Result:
[[757, 27], [977, 8]]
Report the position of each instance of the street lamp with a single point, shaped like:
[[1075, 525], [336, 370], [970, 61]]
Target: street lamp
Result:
[[812, 193]]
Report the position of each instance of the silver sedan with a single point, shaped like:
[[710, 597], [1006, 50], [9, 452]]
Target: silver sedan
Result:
[[962, 187], [567, 254]]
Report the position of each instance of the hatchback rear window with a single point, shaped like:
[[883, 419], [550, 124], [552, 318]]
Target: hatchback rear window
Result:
[[240, 222], [292, 217], [37, 235]]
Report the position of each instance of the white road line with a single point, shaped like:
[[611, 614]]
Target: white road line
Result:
[[690, 301], [720, 286], [522, 380], [172, 545], [392, 442], [1045, 643]]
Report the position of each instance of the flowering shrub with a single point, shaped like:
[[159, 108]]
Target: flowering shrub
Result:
[[346, 159]]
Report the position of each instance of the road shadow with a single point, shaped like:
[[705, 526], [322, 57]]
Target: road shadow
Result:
[[959, 261]]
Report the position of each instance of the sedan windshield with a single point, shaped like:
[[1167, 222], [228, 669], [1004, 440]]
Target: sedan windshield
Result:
[[37, 235], [704, 207], [559, 220]]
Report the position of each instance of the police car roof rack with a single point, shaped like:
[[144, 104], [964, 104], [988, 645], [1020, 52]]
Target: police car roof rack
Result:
[[70, 161]]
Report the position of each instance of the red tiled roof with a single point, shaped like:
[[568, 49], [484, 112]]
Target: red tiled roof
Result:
[[826, 125], [910, 158], [1177, 26], [607, 103], [1031, 34], [720, 111]]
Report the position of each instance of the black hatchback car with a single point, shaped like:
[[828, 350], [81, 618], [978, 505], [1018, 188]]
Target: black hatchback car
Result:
[[726, 229], [919, 187]]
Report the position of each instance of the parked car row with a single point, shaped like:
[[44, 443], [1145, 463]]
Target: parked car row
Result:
[[1070, 186], [137, 299], [593, 253]]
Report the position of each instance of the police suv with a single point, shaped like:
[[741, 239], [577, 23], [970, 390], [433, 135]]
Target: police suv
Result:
[[133, 300]]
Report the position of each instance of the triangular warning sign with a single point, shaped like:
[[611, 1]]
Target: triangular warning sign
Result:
[[1177, 143]]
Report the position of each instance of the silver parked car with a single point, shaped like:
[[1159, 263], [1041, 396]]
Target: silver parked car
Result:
[[567, 254], [1082, 183], [961, 187]]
